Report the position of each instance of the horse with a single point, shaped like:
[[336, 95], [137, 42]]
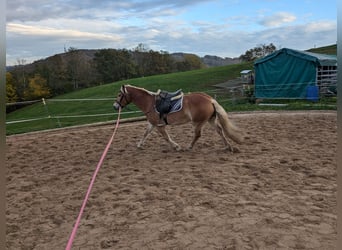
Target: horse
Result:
[[197, 108]]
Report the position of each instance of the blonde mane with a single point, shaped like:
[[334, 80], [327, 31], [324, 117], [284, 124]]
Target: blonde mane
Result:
[[142, 89]]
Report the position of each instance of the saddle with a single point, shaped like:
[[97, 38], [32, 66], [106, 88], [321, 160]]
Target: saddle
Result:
[[167, 102]]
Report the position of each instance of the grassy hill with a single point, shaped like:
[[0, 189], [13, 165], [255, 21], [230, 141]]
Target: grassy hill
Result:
[[329, 50], [66, 110]]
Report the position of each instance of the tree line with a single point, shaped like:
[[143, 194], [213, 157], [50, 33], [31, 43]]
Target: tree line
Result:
[[77, 69]]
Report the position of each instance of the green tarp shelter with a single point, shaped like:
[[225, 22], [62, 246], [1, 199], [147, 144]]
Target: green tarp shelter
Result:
[[289, 73]]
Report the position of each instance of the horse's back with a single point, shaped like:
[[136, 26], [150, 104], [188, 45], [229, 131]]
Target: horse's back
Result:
[[198, 97]]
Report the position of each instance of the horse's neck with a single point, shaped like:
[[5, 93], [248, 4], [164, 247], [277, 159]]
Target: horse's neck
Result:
[[142, 99]]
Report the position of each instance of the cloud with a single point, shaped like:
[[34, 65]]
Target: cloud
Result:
[[42, 28], [277, 19], [36, 31], [320, 26], [36, 42], [36, 10], [302, 37]]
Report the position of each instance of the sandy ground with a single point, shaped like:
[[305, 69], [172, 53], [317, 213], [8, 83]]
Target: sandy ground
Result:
[[279, 192]]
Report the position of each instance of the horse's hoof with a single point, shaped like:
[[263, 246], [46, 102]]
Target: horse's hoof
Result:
[[232, 149], [229, 149], [237, 150]]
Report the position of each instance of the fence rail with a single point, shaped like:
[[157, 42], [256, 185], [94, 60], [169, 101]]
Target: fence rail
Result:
[[52, 116], [56, 113], [22, 103]]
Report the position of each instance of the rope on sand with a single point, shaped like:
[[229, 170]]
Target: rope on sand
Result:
[[74, 231]]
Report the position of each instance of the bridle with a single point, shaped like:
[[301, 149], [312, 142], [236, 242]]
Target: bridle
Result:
[[123, 96]]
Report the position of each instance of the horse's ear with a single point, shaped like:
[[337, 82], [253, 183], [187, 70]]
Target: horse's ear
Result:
[[123, 89]]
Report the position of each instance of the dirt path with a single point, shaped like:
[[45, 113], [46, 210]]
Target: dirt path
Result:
[[279, 192]]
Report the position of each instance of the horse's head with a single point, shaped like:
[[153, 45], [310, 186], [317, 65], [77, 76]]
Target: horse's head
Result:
[[123, 98]]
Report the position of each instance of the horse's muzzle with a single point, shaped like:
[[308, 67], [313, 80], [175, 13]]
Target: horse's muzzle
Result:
[[116, 106]]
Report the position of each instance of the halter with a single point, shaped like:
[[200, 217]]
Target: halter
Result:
[[123, 95]]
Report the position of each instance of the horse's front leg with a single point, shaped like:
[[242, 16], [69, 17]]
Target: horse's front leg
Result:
[[166, 136], [147, 132]]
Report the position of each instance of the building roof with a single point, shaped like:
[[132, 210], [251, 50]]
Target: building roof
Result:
[[319, 59], [246, 71]]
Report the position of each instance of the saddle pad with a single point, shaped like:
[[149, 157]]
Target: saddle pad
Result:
[[176, 105]]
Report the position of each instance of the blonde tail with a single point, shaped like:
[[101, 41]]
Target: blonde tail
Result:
[[229, 129]]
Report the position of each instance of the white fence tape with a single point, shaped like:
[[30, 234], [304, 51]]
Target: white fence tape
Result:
[[45, 101], [27, 120], [217, 91]]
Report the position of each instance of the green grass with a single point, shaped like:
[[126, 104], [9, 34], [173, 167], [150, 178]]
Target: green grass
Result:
[[190, 81], [329, 50]]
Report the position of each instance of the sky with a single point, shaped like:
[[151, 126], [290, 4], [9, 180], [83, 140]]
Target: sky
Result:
[[37, 29]]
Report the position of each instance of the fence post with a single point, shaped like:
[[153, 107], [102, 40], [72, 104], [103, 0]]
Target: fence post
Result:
[[48, 113]]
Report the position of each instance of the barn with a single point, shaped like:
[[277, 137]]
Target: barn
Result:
[[289, 73]]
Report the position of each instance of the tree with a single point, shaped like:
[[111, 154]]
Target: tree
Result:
[[57, 76], [258, 52], [141, 48], [11, 92], [187, 62], [193, 61], [20, 77], [71, 49], [157, 63], [73, 67], [114, 65], [37, 88], [143, 57]]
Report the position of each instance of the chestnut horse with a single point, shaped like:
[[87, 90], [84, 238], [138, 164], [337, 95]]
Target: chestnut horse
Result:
[[197, 108]]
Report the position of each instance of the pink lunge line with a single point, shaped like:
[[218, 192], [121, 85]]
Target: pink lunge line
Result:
[[73, 234]]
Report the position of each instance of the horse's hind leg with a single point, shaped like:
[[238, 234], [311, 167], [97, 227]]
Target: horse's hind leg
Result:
[[147, 132], [219, 130], [166, 136], [197, 134]]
